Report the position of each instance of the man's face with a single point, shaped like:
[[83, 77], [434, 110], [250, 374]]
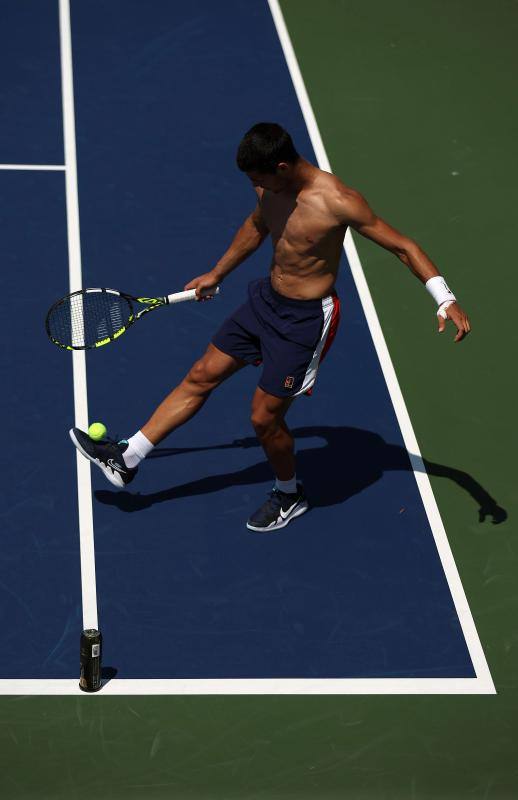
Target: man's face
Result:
[[274, 182]]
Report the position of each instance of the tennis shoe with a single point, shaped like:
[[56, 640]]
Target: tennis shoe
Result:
[[107, 454], [279, 509]]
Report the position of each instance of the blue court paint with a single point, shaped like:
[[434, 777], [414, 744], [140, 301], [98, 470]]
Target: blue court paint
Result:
[[40, 591], [354, 588], [30, 101]]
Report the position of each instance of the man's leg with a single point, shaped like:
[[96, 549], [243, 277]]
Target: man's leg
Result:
[[273, 433], [191, 394], [288, 500], [119, 460]]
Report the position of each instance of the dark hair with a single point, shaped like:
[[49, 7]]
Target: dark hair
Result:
[[263, 147]]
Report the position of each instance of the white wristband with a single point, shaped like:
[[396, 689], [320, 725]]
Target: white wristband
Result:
[[439, 290]]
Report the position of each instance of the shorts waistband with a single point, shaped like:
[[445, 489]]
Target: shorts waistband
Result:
[[291, 301]]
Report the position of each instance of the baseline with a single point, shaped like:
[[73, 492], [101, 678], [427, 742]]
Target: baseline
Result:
[[263, 686]]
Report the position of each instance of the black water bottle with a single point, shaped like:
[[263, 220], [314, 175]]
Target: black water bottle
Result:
[[90, 660]]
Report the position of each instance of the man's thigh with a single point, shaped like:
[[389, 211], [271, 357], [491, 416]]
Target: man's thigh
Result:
[[239, 336], [215, 366]]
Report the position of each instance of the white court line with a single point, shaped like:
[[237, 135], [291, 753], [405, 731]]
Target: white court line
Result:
[[84, 486], [40, 167], [423, 482], [239, 686]]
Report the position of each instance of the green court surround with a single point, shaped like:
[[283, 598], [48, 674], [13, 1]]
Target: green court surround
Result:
[[416, 104]]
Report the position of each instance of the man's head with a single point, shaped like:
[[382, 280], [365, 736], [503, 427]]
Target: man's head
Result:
[[267, 155]]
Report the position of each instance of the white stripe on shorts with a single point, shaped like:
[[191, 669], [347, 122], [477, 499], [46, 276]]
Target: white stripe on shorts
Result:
[[311, 372]]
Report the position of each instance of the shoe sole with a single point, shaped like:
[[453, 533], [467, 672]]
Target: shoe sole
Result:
[[114, 478], [297, 512]]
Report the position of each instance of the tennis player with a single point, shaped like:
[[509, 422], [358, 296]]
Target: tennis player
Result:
[[289, 319]]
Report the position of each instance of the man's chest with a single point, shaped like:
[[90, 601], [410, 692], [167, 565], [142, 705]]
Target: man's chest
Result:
[[301, 223]]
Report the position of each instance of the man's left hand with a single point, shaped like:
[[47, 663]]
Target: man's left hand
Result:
[[459, 319]]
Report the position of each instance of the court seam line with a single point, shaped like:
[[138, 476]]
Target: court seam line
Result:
[[84, 484], [456, 588], [35, 167]]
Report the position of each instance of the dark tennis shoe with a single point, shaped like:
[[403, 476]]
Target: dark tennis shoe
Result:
[[279, 509], [108, 455]]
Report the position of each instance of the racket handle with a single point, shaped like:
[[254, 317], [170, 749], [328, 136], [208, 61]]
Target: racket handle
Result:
[[190, 294]]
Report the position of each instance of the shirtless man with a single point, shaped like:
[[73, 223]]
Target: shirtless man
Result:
[[289, 319]]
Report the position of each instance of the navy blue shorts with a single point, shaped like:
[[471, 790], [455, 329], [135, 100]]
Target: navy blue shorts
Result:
[[288, 337]]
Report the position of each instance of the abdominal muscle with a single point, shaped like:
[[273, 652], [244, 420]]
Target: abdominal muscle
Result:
[[305, 276], [307, 238]]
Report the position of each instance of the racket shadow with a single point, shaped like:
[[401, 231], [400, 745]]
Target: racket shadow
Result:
[[349, 461]]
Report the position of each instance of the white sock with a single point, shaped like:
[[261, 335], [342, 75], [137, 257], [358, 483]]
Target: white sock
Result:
[[289, 487], [138, 448]]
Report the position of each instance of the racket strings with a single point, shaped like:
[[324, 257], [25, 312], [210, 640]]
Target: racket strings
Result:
[[86, 318]]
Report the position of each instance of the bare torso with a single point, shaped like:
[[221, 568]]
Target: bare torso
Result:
[[307, 237]]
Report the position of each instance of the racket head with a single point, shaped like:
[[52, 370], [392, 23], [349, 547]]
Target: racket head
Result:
[[89, 318]]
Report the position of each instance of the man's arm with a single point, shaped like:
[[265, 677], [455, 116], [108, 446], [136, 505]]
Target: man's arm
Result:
[[248, 238], [354, 210]]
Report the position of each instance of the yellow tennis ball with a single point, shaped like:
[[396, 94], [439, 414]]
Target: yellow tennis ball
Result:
[[97, 431]]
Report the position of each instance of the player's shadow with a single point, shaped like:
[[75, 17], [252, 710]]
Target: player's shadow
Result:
[[350, 460]]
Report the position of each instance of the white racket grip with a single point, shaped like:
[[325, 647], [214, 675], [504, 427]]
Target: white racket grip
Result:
[[190, 294]]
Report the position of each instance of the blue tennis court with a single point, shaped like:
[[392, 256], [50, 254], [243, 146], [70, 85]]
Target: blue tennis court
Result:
[[355, 588]]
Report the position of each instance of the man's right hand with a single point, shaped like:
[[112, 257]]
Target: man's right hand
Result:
[[203, 283]]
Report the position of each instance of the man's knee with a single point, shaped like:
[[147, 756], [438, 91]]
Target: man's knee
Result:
[[202, 378], [268, 415], [210, 370], [261, 424], [265, 422]]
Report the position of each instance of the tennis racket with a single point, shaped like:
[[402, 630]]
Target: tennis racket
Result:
[[92, 318]]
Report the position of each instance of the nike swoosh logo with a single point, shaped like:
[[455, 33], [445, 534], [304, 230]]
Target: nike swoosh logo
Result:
[[111, 463], [285, 514]]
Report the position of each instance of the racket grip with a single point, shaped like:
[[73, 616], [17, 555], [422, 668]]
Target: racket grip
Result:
[[190, 294]]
